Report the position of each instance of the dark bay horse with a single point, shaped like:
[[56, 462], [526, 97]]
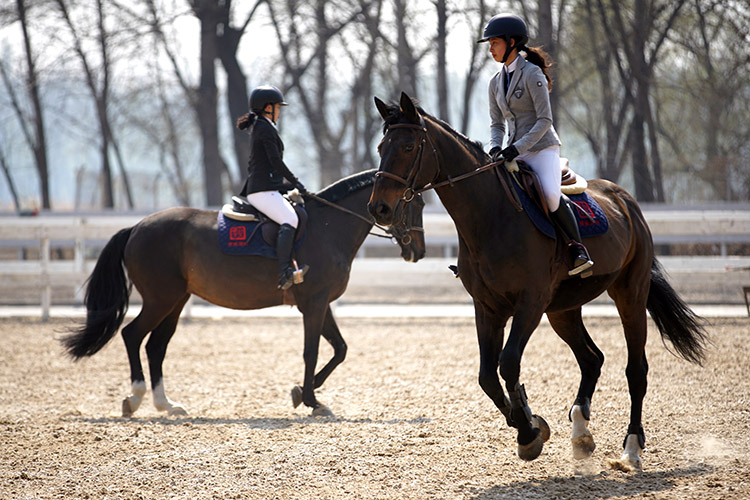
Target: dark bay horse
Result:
[[511, 269], [175, 253]]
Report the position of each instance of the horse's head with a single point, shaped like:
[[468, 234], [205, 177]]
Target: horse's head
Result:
[[408, 160], [407, 230]]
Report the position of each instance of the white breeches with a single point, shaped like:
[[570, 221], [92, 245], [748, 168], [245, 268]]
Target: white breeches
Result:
[[274, 206], [546, 165]]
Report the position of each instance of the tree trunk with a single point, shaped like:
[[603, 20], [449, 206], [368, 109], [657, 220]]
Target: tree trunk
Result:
[[442, 79], [39, 145], [207, 101]]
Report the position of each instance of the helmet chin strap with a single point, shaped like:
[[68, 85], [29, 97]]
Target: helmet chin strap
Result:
[[508, 49]]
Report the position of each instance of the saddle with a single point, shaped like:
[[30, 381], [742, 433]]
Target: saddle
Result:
[[526, 178], [243, 211]]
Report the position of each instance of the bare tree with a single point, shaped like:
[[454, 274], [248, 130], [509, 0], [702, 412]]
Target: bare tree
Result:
[[9, 180], [717, 85], [32, 127], [307, 63], [639, 34], [98, 84], [476, 18]]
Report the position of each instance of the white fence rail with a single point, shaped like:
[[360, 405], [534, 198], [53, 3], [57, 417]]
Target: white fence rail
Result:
[[28, 244]]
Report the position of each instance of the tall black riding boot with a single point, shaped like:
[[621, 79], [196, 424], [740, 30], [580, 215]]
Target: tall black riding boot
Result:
[[579, 256], [284, 244]]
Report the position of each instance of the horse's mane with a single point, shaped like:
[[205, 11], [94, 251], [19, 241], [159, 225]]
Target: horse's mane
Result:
[[343, 187], [474, 147]]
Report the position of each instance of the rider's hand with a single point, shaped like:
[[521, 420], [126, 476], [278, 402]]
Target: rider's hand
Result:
[[301, 188], [496, 153], [509, 153]]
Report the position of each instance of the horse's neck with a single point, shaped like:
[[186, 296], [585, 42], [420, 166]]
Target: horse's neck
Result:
[[478, 203], [347, 231]]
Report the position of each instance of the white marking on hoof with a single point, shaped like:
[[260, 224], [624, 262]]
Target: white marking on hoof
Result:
[[580, 437], [131, 403], [297, 396], [532, 450], [163, 403], [631, 458], [322, 411]]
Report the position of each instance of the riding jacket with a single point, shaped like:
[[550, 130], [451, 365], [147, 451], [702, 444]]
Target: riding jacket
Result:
[[525, 108], [266, 168]]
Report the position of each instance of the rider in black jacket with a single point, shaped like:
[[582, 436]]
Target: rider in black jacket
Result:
[[267, 173]]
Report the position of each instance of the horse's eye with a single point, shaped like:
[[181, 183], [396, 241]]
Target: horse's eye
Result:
[[409, 148]]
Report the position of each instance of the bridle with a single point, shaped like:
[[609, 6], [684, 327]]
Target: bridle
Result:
[[398, 231], [410, 181]]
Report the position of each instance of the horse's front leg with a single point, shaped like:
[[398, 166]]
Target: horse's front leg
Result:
[[313, 320], [490, 338], [533, 430]]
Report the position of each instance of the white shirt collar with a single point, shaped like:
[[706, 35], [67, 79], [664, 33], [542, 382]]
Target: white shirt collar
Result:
[[269, 120], [512, 66]]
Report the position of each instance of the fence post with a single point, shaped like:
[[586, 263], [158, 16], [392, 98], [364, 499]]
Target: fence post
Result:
[[46, 285]]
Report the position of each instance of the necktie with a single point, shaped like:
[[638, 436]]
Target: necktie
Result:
[[507, 81]]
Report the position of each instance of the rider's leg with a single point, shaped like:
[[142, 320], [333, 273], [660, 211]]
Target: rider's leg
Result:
[[546, 165], [279, 210], [566, 220]]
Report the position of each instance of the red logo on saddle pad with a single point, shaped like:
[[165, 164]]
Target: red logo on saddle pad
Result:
[[586, 215], [237, 233]]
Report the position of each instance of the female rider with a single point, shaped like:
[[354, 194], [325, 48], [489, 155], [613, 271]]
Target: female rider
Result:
[[266, 174], [519, 97]]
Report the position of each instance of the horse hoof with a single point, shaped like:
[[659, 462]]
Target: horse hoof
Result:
[[297, 396], [538, 422], [177, 411], [631, 457], [583, 446], [322, 411], [127, 411], [532, 450]]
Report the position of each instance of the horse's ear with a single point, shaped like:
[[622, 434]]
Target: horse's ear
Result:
[[407, 106], [383, 108]]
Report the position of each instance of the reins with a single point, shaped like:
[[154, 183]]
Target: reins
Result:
[[388, 230], [410, 180]]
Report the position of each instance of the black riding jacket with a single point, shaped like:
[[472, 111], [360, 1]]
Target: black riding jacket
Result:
[[266, 168]]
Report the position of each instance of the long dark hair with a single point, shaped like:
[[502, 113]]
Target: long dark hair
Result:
[[536, 55], [247, 120]]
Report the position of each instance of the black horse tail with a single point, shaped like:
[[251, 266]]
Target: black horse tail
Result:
[[106, 300], [674, 318]]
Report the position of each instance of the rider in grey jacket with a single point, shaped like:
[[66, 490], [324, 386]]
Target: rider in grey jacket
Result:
[[519, 100]]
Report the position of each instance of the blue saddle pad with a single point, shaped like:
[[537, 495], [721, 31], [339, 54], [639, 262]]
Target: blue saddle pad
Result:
[[243, 238], [590, 216]]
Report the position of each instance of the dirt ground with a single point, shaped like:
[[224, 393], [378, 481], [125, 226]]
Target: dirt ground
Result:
[[411, 420]]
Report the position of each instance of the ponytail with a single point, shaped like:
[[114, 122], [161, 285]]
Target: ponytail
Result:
[[536, 55], [247, 120]]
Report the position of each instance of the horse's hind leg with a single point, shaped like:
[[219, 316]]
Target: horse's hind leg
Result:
[[569, 326], [156, 349], [133, 335]]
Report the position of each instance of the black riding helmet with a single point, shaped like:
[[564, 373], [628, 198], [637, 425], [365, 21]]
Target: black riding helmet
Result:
[[506, 26], [264, 95]]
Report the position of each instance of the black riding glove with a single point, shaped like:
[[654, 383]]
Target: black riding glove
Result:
[[496, 153], [509, 153], [301, 188]]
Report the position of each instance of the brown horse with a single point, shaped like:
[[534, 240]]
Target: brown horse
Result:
[[511, 269], [175, 253]]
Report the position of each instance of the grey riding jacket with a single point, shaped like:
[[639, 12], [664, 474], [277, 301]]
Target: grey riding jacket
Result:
[[525, 108]]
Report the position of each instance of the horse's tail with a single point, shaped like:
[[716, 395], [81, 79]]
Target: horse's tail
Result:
[[106, 300], [674, 318]]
